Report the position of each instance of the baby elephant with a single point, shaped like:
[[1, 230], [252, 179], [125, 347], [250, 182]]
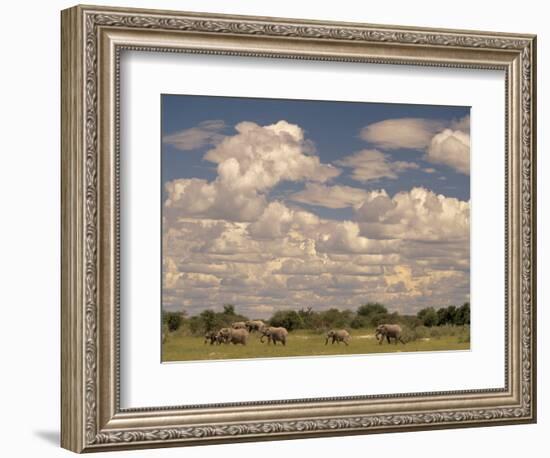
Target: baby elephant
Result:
[[389, 331], [234, 336], [340, 335], [212, 337], [274, 335]]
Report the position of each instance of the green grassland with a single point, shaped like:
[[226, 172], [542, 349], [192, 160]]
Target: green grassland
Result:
[[182, 347]]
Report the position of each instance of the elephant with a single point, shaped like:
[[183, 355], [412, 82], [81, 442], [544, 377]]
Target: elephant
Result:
[[223, 334], [338, 336], [274, 335], [254, 325], [239, 325], [237, 336], [389, 331], [212, 337]]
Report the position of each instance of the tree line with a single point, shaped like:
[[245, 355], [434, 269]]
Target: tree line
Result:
[[368, 315]]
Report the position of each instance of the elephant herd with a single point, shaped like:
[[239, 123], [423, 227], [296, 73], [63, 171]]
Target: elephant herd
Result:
[[240, 331], [383, 332]]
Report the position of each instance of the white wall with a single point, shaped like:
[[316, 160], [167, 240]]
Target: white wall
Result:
[[29, 242]]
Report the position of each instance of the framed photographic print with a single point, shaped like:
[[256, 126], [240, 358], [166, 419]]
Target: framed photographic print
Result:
[[277, 228]]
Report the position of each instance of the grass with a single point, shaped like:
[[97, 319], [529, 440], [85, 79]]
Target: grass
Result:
[[181, 347]]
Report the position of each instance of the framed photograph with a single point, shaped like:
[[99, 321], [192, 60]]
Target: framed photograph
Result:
[[278, 228]]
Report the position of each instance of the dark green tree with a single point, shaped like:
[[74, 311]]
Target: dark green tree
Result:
[[228, 309], [334, 318], [428, 316], [462, 316], [372, 314], [446, 315], [172, 320], [208, 320], [289, 319], [371, 308]]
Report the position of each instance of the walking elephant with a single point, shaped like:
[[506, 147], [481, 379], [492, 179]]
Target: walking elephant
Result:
[[340, 335], [212, 337], [254, 325], [223, 334], [274, 335], [389, 331], [238, 325], [238, 336]]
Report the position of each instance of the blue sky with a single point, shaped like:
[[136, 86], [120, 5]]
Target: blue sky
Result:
[[271, 204], [346, 119]]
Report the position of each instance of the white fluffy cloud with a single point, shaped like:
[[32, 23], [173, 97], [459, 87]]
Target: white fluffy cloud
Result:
[[259, 157], [274, 222], [249, 164], [451, 148], [344, 237], [370, 165], [446, 143], [228, 240], [419, 214], [206, 133], [217, 200], [330, 196], [413, 133]]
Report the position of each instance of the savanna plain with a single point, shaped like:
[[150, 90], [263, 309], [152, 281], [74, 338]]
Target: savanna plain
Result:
[[188, 338]]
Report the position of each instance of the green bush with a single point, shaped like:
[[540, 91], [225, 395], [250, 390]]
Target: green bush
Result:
[[289, 319], [464, 335], [172, 320], [334, 318], [210, 320], [359, 322], [428, 316], [462, 316], [311, 320]]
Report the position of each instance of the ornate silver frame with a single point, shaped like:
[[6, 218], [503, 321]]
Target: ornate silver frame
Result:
[[92, 40]]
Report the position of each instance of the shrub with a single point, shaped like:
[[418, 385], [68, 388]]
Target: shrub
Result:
[[359, 322], [334, 318], [421, 332], [436, 332], [428, 316], [462, 316], [289, 319], [408, 335], [464, 335], [311, 320], [165, 332], [172, 320]]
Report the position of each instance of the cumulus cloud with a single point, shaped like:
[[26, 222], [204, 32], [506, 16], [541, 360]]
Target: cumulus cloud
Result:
[[451, 148], [274, 222], [370, 165], [227, 240], [462, 124], [410, 133], [249, 164], [418, 214], [330, 196], [206, 133], [216, 199], [259, 157], [446, 143], [399, 250], [344, 237]]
